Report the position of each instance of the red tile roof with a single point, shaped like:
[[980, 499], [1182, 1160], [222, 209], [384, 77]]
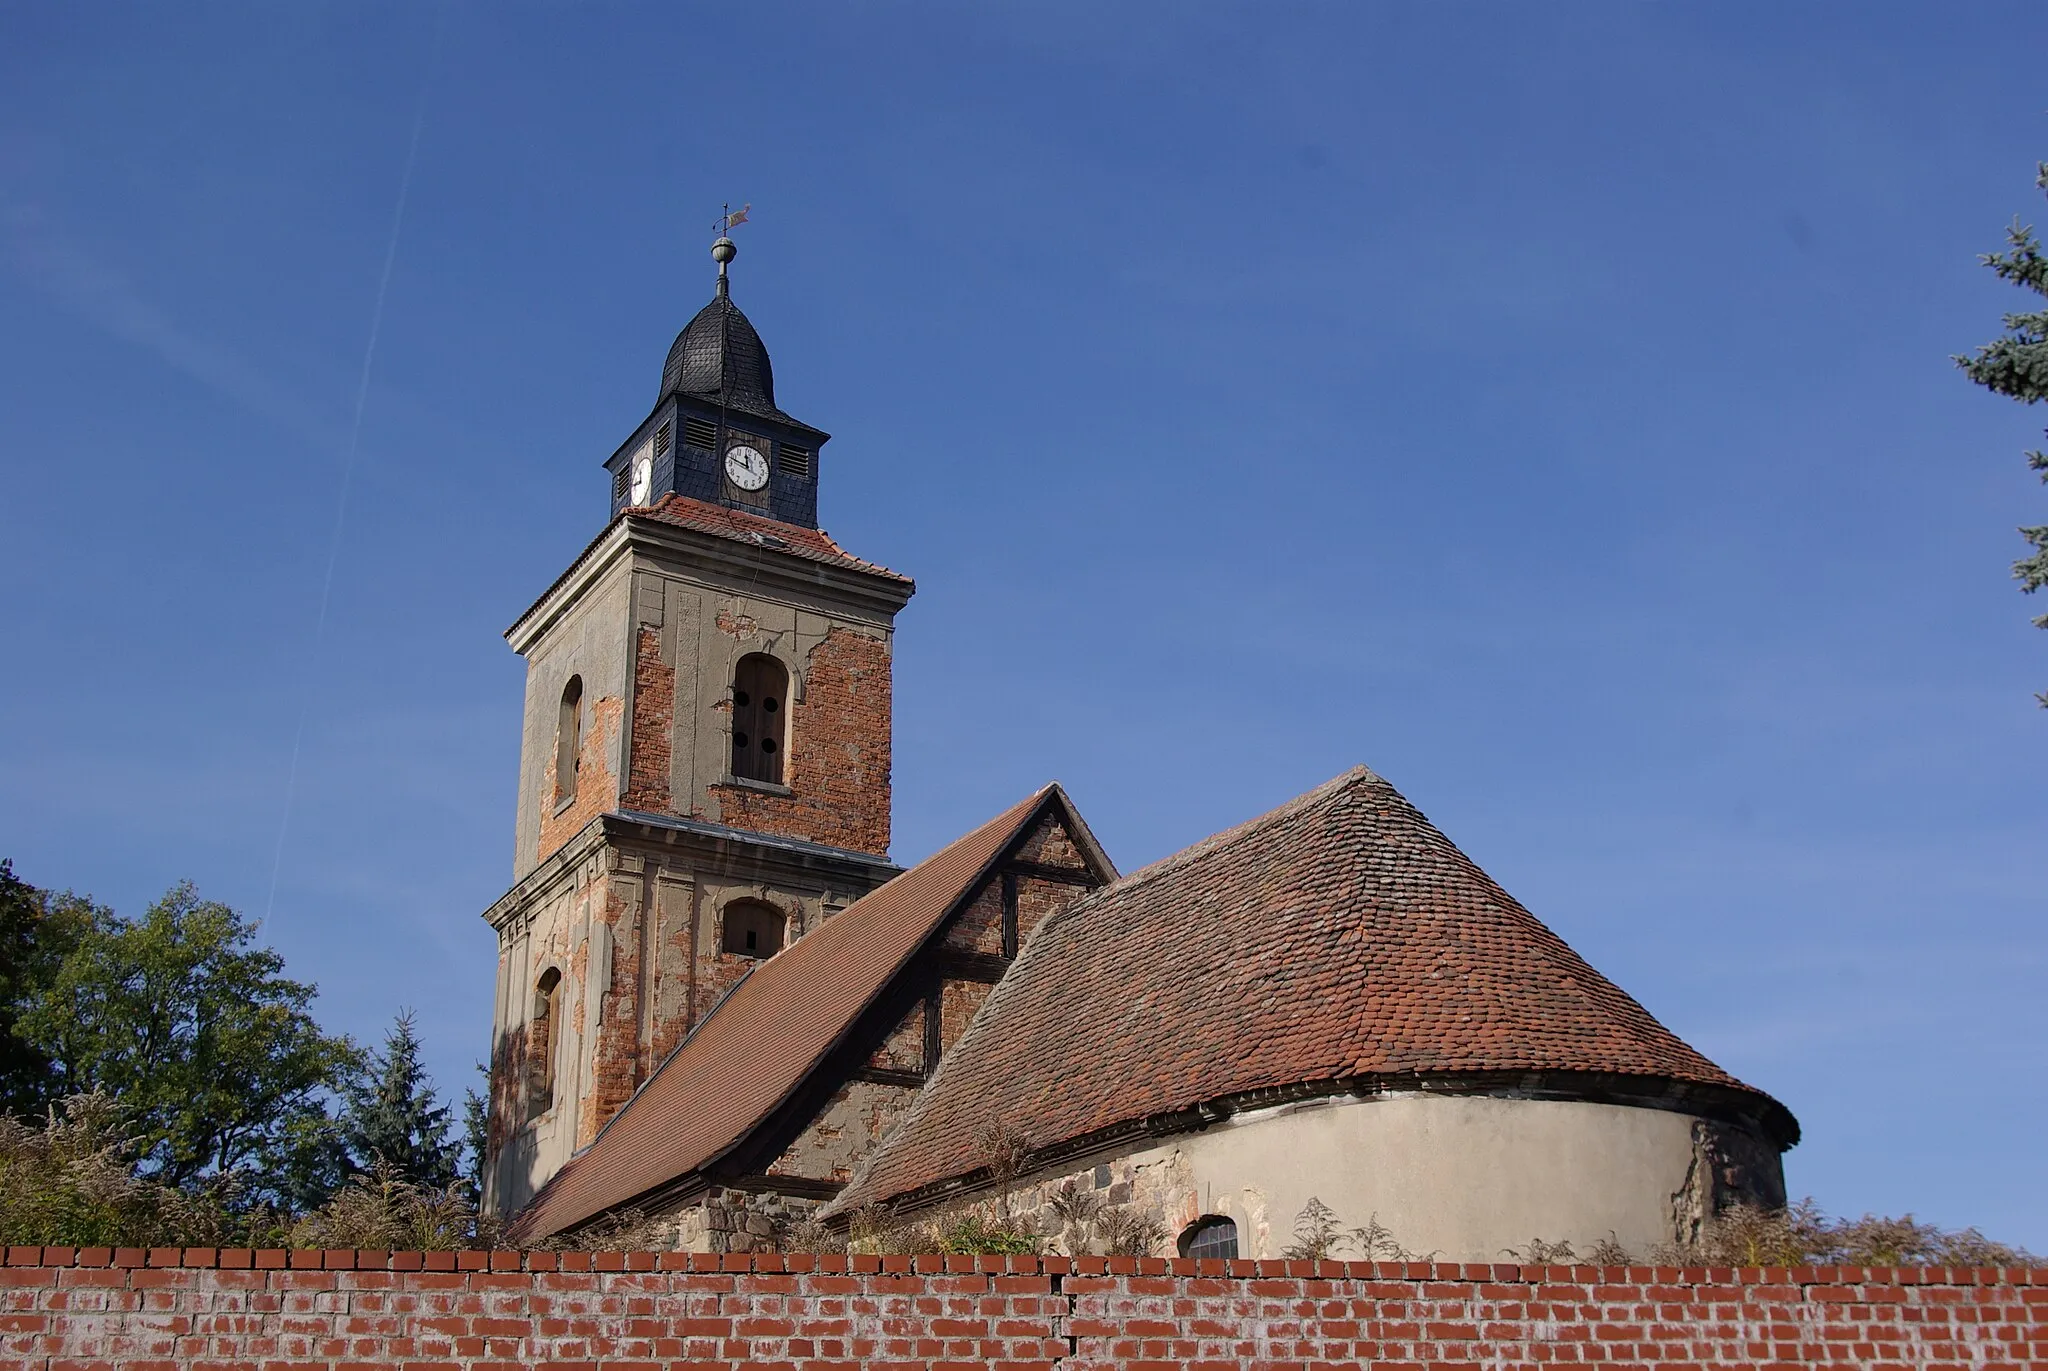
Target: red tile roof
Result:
[[757, 530], [812, 544], [1340, 936], [767, 1035]]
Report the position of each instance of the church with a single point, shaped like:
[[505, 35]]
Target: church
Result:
[[720, 1005]]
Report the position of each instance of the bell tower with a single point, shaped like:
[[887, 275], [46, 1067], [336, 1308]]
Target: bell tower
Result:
[[704, 764]]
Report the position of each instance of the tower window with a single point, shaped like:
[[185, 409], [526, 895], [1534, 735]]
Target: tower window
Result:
[[540, 1043], [568, 740], [619, 482], [753, 929], [700, 432], [1212, 1235], [796, 461], [760, 704], [662, 437]]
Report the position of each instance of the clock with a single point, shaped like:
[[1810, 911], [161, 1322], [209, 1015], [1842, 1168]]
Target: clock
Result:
[[745, 467], [643, 478]]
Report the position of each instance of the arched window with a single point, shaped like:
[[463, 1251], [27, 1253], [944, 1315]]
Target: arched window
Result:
[[760, 704], [540, 1042], [753, 929], [1212, 1235], [568, 740]]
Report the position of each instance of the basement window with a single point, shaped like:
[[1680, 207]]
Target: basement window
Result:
[[753, 928], [1212, 1235]]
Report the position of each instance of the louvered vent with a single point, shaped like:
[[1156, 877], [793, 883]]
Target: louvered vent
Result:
[[796, 461], [619, 479], [662, 436], [700, 433]]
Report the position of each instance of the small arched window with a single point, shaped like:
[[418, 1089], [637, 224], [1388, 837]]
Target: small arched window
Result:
[[568, 740], [540, 1042], [1212, 1235], [760, 705], [753, 929]]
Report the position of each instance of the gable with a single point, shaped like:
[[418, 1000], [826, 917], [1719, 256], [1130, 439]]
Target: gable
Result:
[[787, 1052], [859, 1094]]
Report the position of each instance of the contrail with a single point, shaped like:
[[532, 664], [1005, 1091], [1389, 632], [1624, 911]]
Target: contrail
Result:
[[348, 467]]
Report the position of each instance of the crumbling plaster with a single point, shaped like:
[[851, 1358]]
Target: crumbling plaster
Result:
[[1463, 1177]]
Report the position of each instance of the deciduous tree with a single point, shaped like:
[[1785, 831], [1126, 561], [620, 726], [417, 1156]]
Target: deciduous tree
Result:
[[206, 1048]]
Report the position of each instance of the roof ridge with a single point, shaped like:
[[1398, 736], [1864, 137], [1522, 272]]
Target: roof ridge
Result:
[[1231, 837]]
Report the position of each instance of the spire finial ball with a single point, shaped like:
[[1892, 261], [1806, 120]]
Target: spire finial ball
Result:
[[723, 251]]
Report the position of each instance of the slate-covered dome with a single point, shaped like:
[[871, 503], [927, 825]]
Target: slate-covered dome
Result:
[[720, 357]]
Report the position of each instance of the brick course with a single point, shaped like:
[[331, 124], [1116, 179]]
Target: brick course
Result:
[[597, 789], [838, 753], [63, 1309], [654, 716]]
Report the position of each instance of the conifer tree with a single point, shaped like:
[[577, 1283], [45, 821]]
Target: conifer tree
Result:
[[2016, 364], [476, 1137], [394, 1116]]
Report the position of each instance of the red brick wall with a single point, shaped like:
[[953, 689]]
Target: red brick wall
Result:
[[654, 717], [62, 1310], [596, 788], [838, 754], [612, 1012]]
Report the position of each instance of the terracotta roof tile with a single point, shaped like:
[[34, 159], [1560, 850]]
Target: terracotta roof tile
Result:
[[1339, 936], [812, 544], [766, 1035]]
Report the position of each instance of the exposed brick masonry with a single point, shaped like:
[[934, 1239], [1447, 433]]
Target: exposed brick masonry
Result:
[[181, 1310], [654, 714], [615, 1017], [838, 753], [596, 787]]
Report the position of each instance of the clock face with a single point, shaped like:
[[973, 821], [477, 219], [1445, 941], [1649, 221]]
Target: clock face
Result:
[[643, 478], [745, 467]]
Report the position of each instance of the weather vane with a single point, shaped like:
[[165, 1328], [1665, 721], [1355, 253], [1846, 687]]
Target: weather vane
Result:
[[723, 250]]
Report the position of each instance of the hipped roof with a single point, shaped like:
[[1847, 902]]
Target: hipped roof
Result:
[[1339, 937]]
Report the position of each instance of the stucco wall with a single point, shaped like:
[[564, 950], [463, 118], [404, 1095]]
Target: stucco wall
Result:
[[589, 641], [1463, 1177]]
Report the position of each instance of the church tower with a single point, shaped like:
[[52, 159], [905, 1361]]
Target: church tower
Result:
[[704, 765]]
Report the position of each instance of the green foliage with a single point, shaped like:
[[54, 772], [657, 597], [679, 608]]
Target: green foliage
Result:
[[977, 1232], [72, 1182], [2016, 365], [210, 1052], [383, 1209], [476, 1136], [395, 1125], [37, 931]]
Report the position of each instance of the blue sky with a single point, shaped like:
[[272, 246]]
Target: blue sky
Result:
[[1548, 407]]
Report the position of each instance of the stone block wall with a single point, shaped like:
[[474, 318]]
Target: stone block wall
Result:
[[171, 1309]]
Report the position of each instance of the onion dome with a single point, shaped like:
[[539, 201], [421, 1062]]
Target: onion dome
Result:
[[719, 358]]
